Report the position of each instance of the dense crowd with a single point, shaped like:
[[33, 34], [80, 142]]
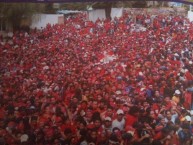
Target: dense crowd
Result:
[[123, 81]]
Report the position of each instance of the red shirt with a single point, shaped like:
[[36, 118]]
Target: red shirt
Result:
[[130, 120]]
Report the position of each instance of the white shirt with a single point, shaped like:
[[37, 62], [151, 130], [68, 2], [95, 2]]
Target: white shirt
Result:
[[118, 124]]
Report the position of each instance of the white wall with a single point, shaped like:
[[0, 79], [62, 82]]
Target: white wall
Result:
[[100, 13], [41, 20], [116, 12], [190, 15], [95, 14]]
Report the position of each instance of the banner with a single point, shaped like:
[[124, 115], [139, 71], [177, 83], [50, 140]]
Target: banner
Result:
[[96, 14], [116, 12]]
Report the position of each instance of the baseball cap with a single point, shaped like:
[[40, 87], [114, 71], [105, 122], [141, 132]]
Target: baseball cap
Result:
[[24, 138], [191, 112], [108, 119], [177, 92], [188, 118], [120, 111]]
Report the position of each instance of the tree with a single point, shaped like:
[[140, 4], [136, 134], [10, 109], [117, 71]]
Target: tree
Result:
[[14, 13]]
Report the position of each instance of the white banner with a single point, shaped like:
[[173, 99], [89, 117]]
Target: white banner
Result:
[[116, 12], [190, 15], [41, 20], [96, 14]]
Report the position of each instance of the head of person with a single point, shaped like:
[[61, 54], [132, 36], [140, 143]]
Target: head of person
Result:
[[113, 140], [120, 114], [168, 114], [97, 122], [107, 122], [134, 111], [177, 93]]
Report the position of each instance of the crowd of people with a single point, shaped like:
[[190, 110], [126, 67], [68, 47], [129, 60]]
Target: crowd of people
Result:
[[111, 82]]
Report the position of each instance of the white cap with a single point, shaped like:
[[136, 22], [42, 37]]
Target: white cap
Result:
[[177, 92], [142, 89], [24, 138], [182, 70], [108, 119], [16, 108], [118, 92], [188, 118], [120, 111], [140, 73], [176, 54], [32, 107], [83, 143], [191, 112]]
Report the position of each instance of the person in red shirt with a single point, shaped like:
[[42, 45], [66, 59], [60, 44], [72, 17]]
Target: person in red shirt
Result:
[[132, 116]]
